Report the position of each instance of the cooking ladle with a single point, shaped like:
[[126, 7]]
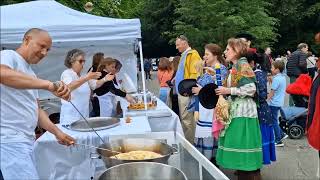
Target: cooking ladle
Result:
[[94, 147], [96, 134], [87, 122], [57, 85]]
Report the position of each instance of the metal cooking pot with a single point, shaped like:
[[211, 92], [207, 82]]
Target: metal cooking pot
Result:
[[139, 144], [143, 170]]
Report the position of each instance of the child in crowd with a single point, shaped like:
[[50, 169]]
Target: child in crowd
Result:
[[165, 73], [204, 141], [276, 99]]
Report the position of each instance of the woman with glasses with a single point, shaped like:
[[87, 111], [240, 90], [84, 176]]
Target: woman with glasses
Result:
[[80, 86]]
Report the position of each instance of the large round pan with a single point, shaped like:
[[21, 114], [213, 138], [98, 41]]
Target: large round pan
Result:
[[97, 123], [143, 170], [138, 144]]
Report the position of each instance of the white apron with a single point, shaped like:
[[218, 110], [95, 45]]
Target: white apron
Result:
[[80, 97], [108, 104], [204, 124]]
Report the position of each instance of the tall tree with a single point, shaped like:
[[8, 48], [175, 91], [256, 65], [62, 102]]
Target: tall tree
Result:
[[130, 8], [108, 8], [157, 18], [205, 21], [6, 2], [299, 21]]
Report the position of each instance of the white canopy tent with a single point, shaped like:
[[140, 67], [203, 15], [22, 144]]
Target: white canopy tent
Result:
[[70, 29]]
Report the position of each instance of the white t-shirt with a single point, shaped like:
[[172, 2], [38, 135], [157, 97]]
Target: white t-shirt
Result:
[[80, 97], [311, 62], [19, 107]]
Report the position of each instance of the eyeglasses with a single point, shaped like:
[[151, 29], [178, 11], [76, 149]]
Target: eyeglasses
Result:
[[82, 61]]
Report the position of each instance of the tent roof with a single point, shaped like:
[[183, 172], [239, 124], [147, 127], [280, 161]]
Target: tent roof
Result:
[[63, 24]]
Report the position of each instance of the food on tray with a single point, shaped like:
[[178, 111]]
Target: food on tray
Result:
[[151, 101], [140, 106], [128, 119], [137, 155]]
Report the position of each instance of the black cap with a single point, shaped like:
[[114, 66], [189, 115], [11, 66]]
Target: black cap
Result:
[[185, 87], [247, 36], [208, 97]]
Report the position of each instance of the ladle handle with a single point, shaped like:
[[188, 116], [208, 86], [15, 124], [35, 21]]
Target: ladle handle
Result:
[[94, 147], [56, 86]]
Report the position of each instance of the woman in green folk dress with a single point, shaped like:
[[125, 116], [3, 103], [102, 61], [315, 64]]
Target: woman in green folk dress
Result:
[[240, 145]]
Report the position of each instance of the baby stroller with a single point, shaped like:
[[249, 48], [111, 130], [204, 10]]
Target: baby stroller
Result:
[[293, 121]]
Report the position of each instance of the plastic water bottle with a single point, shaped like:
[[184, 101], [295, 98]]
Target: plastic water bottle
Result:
[[218, 74]]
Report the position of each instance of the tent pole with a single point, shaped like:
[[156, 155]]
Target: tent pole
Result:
[[143, 75]]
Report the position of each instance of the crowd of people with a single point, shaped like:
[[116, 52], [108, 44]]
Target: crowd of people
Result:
[[254, 87], [242, 140]]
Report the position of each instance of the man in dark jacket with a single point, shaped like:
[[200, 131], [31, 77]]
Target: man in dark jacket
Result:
[[267, 60], [297, 64], [147, 68]]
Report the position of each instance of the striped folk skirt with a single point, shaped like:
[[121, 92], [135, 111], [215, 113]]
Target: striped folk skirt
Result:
[[241, 148]]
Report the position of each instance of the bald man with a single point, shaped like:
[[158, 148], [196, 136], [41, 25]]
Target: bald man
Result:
[[20, 111]]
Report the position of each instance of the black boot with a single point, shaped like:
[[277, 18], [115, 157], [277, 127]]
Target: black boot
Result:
[[214, 161]]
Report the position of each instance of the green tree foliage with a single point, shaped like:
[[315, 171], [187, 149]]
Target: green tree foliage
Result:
[[157, 17], [130, 8], [108, 8], [299, 21], [281, 24], [6, 2], [215, 21]]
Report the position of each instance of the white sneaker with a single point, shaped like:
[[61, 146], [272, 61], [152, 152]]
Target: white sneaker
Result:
[[279, 144], [284, 137]]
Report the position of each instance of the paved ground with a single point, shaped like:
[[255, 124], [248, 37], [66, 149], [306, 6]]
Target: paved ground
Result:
[[296, 160]]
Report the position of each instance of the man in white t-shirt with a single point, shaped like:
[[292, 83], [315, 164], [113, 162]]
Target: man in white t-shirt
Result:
[[20, 112]]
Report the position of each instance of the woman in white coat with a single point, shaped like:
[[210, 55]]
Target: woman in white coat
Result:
[[80, 87]]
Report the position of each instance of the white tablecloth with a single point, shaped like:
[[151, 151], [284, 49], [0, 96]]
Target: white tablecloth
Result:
[[55, 161], [160, 124]]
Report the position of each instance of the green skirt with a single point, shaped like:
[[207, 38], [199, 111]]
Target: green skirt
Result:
[[240, 148]]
